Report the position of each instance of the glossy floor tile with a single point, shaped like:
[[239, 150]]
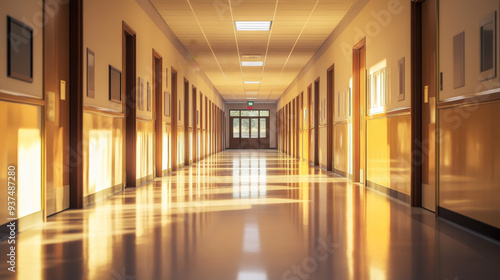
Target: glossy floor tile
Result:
[[252, 215]]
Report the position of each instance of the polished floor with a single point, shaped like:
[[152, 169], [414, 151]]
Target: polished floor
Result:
[[251, 215]]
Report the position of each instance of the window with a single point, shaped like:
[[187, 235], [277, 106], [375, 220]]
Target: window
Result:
[[234, 113], [236, 128], [264, 113], [249, 113], [263, 128], [378, 91]]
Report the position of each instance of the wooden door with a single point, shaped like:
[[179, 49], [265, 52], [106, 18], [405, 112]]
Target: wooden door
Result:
[[359, 73]]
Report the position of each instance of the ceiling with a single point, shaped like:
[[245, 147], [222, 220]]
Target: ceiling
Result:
[[206, 28]]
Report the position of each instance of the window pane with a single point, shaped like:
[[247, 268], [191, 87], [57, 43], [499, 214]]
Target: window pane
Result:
[[247, 113], [263, 128], [234, 113], [245, 128], [264, 113], [255, 128], [236, 128]]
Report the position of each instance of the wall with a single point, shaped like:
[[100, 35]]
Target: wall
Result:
[[272, 119], [22, 118], [103, 36], [469, 167], [386, 27]]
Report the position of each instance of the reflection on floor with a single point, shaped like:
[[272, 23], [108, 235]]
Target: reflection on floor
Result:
[[250, 215]]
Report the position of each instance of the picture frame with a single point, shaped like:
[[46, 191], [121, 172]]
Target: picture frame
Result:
[[488, 47], [459, 60], [402, 76], [115, 85], [138, 93], [166, 110], [90, 73], [19, 50], [148, 97]]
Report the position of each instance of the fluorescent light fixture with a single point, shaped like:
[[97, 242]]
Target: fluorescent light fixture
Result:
[[252, 98], [252, 63], [253, 25], [252, 92], [252, 82]]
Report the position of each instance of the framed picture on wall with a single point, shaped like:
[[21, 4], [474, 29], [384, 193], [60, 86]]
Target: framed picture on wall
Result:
[[167, 104], [90, 74], [149, 97], [115, 84], [19, 50], [488, 46], [140, 94]]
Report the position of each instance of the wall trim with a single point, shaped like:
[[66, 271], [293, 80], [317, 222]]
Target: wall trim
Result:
[[100, 195], [470, 223], [389, 192], [340, 173]]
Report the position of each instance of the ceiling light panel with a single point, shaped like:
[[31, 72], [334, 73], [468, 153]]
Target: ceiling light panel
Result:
[[252, 63], [252, 25], [252, 82]]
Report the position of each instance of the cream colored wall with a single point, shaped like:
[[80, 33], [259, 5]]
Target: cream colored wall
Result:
[[387, 39], [103, 35], [451, 22], [30, 13]]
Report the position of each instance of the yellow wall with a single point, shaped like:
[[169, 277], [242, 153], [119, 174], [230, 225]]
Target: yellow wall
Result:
[[386, 26], [468, 140], [21, 145], [103, 35], [21, 124]]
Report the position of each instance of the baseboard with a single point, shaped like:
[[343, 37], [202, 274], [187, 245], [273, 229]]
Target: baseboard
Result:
[[167, 171], [21, 224], [475, 225], [322, 167], [390, 192], [98, 196], [340, 173]]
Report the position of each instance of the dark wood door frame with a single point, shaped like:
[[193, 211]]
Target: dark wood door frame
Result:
[[158, 112], [206, 127], [297, 127], [359, 125], [416, 103], [309, 120], [186, 122], [174, 119], [330, 105], [194, 107], [76, 104], [129, 106], [202, 152], [316, 122]]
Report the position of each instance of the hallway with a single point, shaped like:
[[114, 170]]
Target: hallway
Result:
[[251, 215]]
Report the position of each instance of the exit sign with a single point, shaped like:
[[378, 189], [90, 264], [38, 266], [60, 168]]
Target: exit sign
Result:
[[250, 103]]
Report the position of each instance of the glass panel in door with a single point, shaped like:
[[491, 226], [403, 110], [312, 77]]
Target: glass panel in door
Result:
[[255, 128], [245, 128], [236, 128]]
